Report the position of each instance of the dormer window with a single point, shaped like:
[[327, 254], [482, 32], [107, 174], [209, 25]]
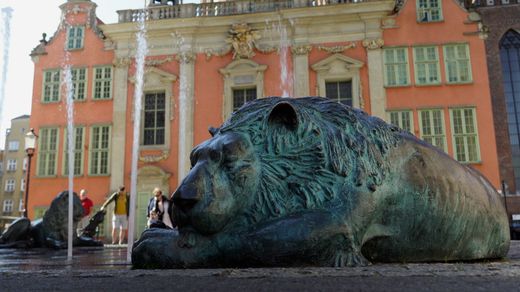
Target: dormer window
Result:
[[75, 36], [429, 11]]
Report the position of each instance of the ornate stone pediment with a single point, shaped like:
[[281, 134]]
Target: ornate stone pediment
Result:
[[337, 64], [150, 172], [154, 77]]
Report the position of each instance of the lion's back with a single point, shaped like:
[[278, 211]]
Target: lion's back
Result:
[[439, 210]]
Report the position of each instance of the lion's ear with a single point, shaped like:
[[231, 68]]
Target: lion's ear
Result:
[[283, 114], [213, 131]]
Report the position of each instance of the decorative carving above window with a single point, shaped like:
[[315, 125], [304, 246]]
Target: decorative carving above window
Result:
[[242, 39], [219, 53], [157, 62], [336, 49], [154, 158]]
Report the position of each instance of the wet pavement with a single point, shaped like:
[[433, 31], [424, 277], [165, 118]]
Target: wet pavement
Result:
[[110, 257], [105, 269]]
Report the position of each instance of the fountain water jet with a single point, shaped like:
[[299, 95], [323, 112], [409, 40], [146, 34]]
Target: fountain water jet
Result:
[[69, 93], [69, 100], [6, 33], [286, 84], [185, 106], [138, 95]]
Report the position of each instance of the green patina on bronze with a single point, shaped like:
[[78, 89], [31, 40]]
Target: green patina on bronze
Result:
[[288, 182], [49, 231]]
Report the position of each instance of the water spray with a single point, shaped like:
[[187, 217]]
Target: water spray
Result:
[[6, 38], [138, 96]]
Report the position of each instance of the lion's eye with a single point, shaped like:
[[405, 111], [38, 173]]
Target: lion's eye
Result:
[[215, 155], [193, 158]]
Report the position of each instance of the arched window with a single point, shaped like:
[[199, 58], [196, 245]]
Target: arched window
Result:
[[510, 60]]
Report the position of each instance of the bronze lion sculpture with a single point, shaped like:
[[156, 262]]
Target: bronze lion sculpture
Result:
[[51, 230], [292, 182]]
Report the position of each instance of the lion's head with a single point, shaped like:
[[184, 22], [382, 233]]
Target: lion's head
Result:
[[55, 219], [277, 156]]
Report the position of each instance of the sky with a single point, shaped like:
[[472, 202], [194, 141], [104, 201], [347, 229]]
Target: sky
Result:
[[31, 18]]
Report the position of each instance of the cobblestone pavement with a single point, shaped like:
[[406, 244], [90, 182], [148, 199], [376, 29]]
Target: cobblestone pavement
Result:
[[105, 269]]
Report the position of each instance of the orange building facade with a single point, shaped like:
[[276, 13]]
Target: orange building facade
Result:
[[420, 65]]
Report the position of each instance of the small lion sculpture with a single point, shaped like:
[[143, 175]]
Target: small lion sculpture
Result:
[[51, 230], [292, 182]]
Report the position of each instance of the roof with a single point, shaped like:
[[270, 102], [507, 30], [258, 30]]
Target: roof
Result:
[[21, 117]]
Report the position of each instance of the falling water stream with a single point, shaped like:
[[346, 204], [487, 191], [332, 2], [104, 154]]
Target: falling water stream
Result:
[[68, 83], [184, 89], [69, 92], [286, 84], [6, 38], [138, 95]]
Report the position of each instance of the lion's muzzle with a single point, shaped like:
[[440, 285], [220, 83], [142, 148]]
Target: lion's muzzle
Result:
[[185, 198], [189, 192]]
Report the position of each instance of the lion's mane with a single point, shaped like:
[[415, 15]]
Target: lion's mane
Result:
[[308, 167], [55, 219]]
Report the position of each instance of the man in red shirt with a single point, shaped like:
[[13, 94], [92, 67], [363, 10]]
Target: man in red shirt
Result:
[[87, 207]]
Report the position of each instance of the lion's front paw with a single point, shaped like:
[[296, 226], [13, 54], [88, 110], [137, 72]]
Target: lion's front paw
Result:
[[349, 259], [187, 240]]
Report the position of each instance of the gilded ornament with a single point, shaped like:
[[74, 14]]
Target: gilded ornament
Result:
[[242, 38], [373, 44], [185, 57], [301, 50]]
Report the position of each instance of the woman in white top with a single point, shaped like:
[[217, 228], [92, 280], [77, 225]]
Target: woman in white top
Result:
[[158, 209]]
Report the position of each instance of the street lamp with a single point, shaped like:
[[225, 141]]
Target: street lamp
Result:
[[30, 143]]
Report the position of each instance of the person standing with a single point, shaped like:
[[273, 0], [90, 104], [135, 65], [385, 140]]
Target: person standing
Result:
[[87, 208], [158, 210], [121, 211]]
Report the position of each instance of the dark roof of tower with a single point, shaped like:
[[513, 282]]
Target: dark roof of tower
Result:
[[22, 117]]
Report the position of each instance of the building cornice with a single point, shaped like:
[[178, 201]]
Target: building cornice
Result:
[[340, 23]]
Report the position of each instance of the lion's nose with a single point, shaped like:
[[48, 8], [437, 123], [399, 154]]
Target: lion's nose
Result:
[[185, 198]]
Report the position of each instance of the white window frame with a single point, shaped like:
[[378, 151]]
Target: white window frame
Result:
[[396, 66], [21, 206], [24, 164], [428, 65], [22, 185], [10, 185], [48, 144], [339, 68], [11, 165], [51, 86], [101, 84], [432, 137], [427, 10], [155, 111], [80, 85], [158, 80], [469, 132], [240, 74], [75, 42], [338, 100], [78, 152], [398, 118], [13, 145], [460, 64], [98, 149], [234, 89], [8, 206]]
